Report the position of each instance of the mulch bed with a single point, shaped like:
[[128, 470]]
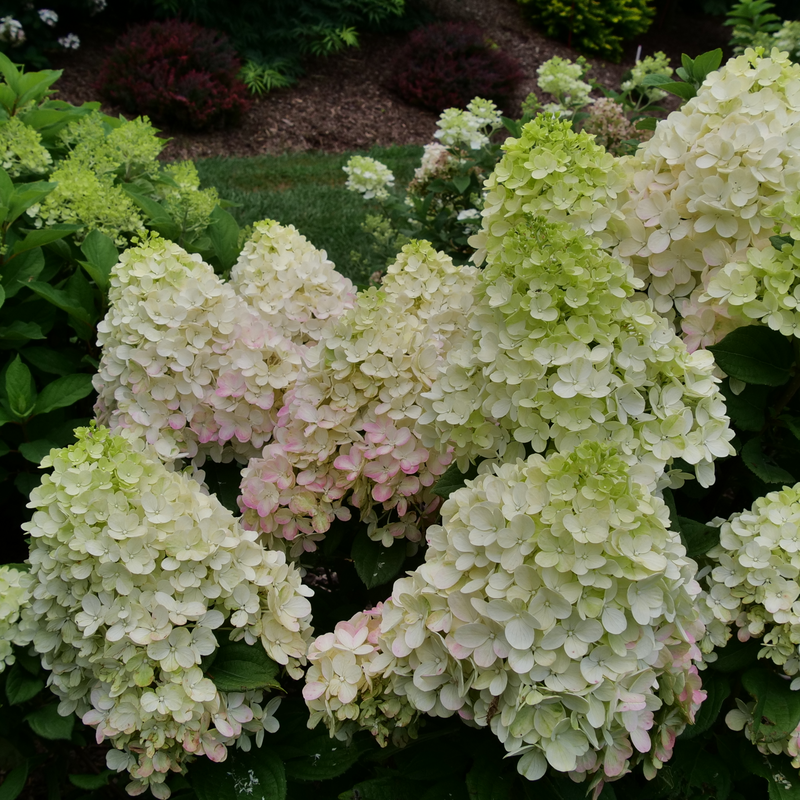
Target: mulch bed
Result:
[[344, 103]]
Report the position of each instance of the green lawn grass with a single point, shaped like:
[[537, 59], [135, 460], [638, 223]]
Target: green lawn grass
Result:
[[307, 190]]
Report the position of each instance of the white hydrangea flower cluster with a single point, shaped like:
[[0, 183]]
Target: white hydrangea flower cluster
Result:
[[787, 39], [554, 172], [555, 606], [15, 593], [48, 16], [289, 283], [343, 690], [702, 188], [559, 355], [561, 78], [70, 41], [765, 285], [11, 31], [185, 363], [347, 431], [470, 129], [657, 64], [754, 582], [368, 177], [438, 163], [135, 573]]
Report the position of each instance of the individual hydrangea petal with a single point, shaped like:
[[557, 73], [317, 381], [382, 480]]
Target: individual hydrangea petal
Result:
[[133, 569], [590, 671]]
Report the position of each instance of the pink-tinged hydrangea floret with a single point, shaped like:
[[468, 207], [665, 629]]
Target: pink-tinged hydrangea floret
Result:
[[706, 190], [555, 606], [558, 354], [134, 572], [289, 283], [347, 433], [186, 364]]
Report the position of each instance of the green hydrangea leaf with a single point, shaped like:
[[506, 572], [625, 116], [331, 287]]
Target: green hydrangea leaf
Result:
[[238, 666], [21, 686], [374, 563], [49, 724], [20, 389], [697, 537], [747, 409], [42, 237], [63, 392], [224, 234], [14, 782], [762, 465], [780, 706], [755, 354], [21, 269], [257, 775], [320, 757], [92, 782], [454, 479]]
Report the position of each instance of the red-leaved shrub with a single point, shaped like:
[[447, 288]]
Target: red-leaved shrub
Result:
[[175, 72], [446, 64]]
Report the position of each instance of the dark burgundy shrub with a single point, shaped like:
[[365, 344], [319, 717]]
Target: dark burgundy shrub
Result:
[[446, 64], [175, 72]]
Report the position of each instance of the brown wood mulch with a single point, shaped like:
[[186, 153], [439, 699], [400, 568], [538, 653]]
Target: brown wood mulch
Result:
[[344, 103]]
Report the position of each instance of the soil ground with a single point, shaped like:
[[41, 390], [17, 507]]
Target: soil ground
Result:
[[344, 103]]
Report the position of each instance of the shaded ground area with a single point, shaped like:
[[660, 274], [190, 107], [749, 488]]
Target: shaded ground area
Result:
[[343, 102]]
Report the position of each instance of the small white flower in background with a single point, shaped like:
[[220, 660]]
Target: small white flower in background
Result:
[[561, 78], [468, 129], [70, 42], [368, 177], [99, 5], [11, 31], [468, 213], [48, 16]]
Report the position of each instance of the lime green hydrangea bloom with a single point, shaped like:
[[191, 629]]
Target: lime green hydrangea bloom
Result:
[[551, 171], [93, 200], [21, 149], [187, 204], [558, 354]]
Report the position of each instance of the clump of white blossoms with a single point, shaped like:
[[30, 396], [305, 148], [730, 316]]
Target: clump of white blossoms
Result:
[[555, 606], [558, 354], [368, 177], [753, 584], [470, 129], [437, 163], [347, 432], [186, 364], [344, 691], [763, 284], [49, 17], [553, 172], [15, 586], [70, 42], [561, 78], [703, 187], [11, 31], [135, 571], [289, 283]]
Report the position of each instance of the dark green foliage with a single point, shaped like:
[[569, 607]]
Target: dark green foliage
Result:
[[596, 27]]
